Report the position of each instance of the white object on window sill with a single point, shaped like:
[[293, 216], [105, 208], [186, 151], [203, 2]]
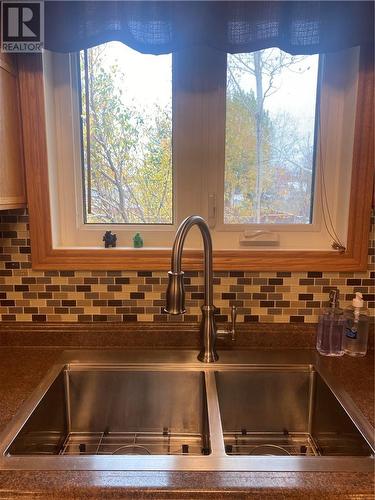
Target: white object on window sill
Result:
[[259, 238]]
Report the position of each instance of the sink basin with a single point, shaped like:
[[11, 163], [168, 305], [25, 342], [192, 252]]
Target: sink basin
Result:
[[118, 412], [284, 412], [163, 410]]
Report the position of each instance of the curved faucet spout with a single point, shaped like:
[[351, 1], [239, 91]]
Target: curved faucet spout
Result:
[[178, 246], [175, 296]]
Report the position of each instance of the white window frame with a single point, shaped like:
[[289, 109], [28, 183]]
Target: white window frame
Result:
[[198, 155]]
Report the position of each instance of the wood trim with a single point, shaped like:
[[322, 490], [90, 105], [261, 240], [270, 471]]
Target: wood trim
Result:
[[362, 181], [12, 200], [44, 256], [12, 206], [8, 62], [12, 178]]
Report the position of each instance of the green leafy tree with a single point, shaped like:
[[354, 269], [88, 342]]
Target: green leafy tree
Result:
[[241, 158], [270, 158], [292, 160], [155, 173], [129, 150]]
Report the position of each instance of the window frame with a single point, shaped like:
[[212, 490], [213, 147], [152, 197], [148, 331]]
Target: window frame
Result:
[[45, 256], [67, 155], [313, 235], [199, 111], [81, 178]]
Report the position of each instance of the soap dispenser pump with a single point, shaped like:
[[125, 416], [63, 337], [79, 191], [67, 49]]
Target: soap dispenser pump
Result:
[[331, 328], [356, 327]]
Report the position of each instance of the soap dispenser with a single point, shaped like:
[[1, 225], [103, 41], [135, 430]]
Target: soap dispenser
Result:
[[356, 327], [331, 328]]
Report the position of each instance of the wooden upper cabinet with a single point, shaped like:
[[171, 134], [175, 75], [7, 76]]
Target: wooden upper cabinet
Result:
[[12, 178]]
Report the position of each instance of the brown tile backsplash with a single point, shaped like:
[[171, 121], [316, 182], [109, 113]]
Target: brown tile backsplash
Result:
[[131, 296]]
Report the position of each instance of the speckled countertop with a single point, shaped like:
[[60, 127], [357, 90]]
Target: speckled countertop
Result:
[[22, 368]]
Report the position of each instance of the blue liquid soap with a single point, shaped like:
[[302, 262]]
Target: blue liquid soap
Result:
[[356, 328]]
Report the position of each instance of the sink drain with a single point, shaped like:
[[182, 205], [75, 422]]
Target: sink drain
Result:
[[269, 450], [132, 449]]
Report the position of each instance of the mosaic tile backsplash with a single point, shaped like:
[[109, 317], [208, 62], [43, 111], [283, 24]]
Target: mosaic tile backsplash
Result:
[[130, 296]]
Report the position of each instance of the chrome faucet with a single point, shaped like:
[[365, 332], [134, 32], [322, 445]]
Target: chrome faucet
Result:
[[175, 297]]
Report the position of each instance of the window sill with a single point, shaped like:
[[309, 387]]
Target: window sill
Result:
[[153, 259]]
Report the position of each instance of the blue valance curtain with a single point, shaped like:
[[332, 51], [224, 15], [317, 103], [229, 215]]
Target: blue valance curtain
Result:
[[159, 27]]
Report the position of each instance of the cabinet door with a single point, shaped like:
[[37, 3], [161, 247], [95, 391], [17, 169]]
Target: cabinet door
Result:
[[12, 183]]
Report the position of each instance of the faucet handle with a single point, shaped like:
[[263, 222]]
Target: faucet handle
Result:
[[221, 334]]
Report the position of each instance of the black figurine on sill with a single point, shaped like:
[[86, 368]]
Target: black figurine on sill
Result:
[[109, 239]]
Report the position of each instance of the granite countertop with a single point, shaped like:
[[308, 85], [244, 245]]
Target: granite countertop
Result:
[[22, 368]]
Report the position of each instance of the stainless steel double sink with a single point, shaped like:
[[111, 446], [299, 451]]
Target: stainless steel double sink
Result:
[[250, 411]]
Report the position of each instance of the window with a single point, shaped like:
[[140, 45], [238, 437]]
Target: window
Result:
[[246, 164], [270, 125], [126, 142]]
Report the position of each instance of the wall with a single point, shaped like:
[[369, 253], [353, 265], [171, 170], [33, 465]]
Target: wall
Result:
[[84, 296]]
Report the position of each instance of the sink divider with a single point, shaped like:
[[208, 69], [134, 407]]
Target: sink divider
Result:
[[215, 428]]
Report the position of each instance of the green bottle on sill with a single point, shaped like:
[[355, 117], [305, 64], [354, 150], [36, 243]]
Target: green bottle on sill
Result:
[[137, 241]]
